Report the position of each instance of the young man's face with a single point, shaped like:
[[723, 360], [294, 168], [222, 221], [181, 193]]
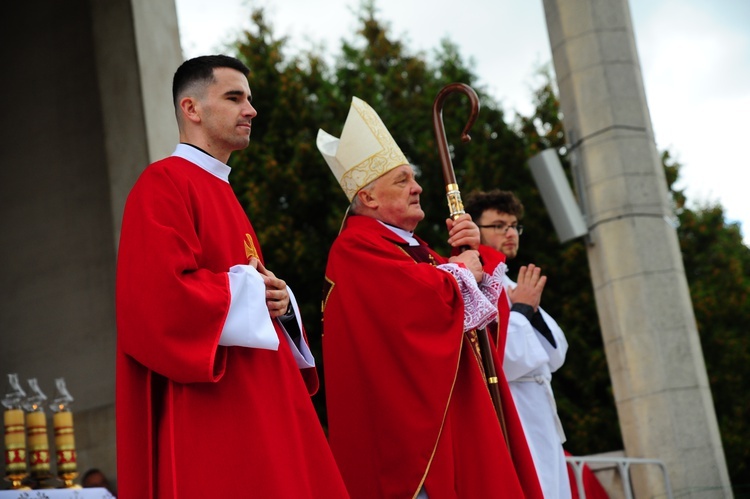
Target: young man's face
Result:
[[504, 237], [226, 111]]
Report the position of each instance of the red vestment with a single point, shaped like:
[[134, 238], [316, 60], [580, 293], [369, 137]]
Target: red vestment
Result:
[[407, 402], [195, 419], [591, 485], [498, 330]]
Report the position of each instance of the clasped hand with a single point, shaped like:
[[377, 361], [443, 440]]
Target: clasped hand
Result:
[[463, 232], [277, 296], [470, 260]]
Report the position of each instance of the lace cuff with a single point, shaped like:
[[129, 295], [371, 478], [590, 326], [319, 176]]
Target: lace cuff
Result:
[[478, 309], [492, 285]]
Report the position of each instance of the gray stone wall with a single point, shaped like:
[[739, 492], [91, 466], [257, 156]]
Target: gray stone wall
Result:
[[86, 95]]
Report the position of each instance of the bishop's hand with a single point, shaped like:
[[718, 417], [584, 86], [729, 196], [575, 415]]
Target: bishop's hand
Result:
[[463, 232], [470, 259]]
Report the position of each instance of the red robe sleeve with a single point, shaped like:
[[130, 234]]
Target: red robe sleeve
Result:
[[170, 309]]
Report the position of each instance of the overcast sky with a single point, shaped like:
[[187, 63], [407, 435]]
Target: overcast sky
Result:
[[695, 57]]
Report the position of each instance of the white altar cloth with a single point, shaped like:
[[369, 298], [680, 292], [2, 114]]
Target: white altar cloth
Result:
[[90, 493]]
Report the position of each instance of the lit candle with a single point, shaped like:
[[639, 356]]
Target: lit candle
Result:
[[15, 441], [64, 441], [38, 443]]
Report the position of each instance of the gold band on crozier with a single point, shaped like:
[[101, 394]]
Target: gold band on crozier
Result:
[[492, 380]]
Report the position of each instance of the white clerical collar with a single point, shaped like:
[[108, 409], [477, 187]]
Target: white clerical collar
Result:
[[203, 160], [403, 234]]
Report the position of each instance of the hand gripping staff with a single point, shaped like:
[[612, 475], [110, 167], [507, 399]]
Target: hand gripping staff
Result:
[[456, 207]]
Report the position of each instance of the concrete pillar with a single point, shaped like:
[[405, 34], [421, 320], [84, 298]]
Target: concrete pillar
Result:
[[653, 350], [87, 105], [137, 50]]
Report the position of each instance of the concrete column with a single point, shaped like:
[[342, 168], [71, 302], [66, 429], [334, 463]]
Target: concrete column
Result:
[[653, 350], [137, 49]]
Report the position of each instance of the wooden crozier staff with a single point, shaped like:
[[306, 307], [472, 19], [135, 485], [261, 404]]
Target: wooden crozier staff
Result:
[[456, 207]]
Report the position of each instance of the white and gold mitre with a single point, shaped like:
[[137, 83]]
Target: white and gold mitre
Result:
[[364, 152]]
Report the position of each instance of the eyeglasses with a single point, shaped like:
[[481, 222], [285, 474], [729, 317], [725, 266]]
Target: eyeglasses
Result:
[[503, 228]]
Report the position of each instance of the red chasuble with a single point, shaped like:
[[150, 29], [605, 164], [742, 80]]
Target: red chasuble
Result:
[[591, 485], [407, 402], [499, 330], [195, 419]]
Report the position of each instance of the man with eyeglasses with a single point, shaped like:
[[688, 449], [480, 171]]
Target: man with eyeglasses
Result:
[[534, 346]]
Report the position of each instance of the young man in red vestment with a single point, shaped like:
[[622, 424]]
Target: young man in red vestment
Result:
[[409, 412], [210, 399]]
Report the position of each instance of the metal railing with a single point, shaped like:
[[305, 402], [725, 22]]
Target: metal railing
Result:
[[623, 465]]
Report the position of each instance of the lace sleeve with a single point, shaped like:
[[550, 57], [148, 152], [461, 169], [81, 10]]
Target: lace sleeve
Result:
[[492, 285], [478, 309]]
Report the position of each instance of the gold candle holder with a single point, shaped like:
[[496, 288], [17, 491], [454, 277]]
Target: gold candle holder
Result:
[[37, 442], [38, 445], [15, 436], [67, 467], [65, 445], [15, 448]]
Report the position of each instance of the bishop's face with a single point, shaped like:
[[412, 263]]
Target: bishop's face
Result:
[[397, 196]]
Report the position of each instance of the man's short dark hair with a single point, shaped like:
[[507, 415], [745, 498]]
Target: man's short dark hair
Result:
[[503, 201], [200, 70]]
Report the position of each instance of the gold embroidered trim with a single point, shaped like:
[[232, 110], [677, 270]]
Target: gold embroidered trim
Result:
[[250, 250], [442, 425], [323, 303], [474, 342], [432, 261], [404, 252]]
